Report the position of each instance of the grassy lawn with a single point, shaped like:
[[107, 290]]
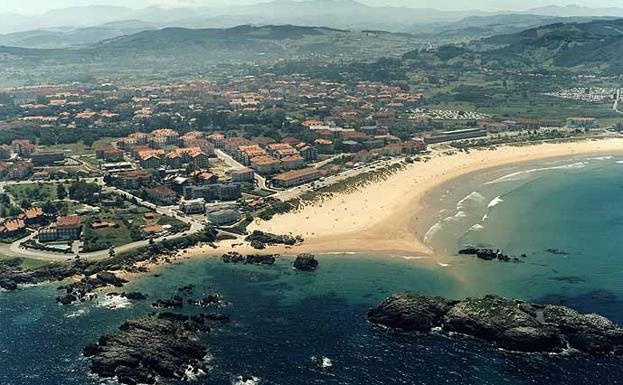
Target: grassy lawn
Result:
[[79, 148], [128, 228], [33, 192], [26, 263]]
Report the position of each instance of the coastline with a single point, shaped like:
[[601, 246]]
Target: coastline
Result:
[[386, 218]]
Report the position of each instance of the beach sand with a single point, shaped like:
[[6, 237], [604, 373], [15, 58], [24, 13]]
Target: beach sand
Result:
[[382, 217]]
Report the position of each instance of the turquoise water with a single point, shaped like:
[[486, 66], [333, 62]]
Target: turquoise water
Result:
[[281, 318]]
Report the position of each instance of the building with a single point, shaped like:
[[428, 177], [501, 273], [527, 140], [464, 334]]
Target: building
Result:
[[324, 146], [224, 217], [22, 147], [33, 216], [48, 234], [243, 175], [133, 179], [109, 154], [265, 164], [309, 153], [12, 228], [194, 206], [448, 136], [297, 177], [292, 162], [68, 228], [220, 192], [581, 123], [19, 171], [162, 194], [47, 158]]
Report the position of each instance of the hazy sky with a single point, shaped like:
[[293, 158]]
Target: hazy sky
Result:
[[37, 6]]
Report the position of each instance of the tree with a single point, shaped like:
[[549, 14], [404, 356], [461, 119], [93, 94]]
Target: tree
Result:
[[61, 192], [25, 204]]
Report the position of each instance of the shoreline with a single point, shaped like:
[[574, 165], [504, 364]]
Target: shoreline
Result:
[[386, 218]]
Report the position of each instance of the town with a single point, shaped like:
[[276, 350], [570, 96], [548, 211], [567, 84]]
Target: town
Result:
[[91, 170]]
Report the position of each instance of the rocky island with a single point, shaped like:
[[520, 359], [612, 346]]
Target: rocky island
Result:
[[506, 323]]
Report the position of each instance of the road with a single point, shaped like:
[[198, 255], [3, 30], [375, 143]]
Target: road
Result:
[[234, 164], [615, 107]]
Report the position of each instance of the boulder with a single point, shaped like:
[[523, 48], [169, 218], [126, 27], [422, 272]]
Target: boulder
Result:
[[305, 262]]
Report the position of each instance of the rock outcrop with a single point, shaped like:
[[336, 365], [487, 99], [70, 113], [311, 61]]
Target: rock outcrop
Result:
[[305, 262], [148, 348], [234, 257], [490, 254], [506, 323]]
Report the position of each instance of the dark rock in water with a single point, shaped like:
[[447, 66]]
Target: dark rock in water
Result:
[[233, 257], [410, 312], [173, 317], [174, 302], [67, 299], [260, 259], [508, 324], [557, 252], [8, 285], [305, 262], [202, 318], [109, 278], [148, 348], [489, 254], [208, 300], [135, 296]]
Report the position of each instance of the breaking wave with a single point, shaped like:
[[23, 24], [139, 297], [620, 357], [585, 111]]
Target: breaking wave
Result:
[[520, 175]]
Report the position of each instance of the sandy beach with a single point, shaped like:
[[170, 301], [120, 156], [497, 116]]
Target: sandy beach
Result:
[[381, 217]]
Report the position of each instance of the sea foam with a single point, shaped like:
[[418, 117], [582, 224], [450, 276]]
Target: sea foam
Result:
[[519, 175]]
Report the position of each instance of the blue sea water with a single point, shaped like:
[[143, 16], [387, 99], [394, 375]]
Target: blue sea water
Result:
[[281, 318]]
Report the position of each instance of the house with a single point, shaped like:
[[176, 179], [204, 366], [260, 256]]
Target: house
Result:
[[33, 216], [224, 217], [12, 228], [150, 160], [109, 154], [205, 177], [243, 175], [19, 171], [152, 230], [162, 194], [173, 160], [324, 146], [297, 177], [292, 162], [68, 228], [132, 179], [194, 206], [265, 164]]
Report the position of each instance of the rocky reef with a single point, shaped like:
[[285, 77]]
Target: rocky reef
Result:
[[234, 257], [305, 262], [150, 347], [505, 323], [490, 254]]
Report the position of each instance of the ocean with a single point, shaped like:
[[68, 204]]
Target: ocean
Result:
[[566, 215]]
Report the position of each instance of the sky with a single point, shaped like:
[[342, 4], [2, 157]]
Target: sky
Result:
[[39, 6]]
